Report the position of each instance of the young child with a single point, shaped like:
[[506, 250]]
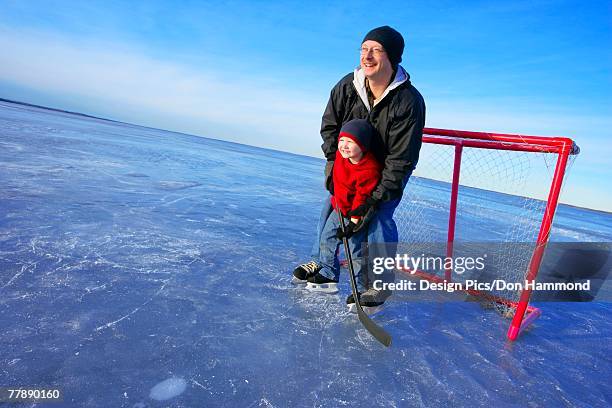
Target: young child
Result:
[[356, 173]]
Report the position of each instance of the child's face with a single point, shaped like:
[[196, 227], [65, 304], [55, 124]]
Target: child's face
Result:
[[349, 149]]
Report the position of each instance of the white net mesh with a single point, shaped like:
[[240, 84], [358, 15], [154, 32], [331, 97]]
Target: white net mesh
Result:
[[501, 199]]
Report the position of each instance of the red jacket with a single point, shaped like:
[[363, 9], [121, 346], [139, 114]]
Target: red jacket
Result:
[[353, 183]]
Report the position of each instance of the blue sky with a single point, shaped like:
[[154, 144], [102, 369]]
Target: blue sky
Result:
[[260, 72]]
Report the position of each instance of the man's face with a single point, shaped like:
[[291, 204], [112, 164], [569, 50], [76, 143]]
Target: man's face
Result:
[[374, 60], [349, 149]]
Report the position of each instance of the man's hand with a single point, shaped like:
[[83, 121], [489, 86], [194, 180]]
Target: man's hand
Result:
[[365, 211], [349, 231], [329, 179]]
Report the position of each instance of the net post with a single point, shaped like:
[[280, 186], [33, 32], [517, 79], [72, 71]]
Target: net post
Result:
[[452, 216], [551, 205]]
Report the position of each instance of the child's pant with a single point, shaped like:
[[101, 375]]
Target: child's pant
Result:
[[328, 250], [381, 235]]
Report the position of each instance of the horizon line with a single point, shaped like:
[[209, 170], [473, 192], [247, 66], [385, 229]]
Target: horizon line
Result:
[[242, 144]]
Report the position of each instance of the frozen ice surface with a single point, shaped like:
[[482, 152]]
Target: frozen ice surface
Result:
[[129, 255]]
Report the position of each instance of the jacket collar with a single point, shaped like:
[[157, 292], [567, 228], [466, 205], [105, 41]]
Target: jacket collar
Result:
[[401, 76]]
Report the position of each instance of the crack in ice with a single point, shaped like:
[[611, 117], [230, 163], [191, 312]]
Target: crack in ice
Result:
[[110, 324]]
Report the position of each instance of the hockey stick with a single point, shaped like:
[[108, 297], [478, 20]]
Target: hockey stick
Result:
[[375, 330]]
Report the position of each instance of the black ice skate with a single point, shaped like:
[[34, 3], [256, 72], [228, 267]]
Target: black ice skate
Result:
[[372, 301], [320, 283], [304, 271]]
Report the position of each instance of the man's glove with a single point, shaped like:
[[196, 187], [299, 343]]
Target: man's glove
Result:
[[365, 211], [349, 231], [329, 179]]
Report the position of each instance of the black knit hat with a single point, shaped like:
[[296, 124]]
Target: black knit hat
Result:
[[391, 40], [360, 131]]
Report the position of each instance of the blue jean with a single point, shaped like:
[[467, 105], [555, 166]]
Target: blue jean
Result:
[[382, 239], [328, 244], [381, 231]]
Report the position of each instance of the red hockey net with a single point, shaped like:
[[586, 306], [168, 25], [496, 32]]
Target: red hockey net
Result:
[[487, 187]]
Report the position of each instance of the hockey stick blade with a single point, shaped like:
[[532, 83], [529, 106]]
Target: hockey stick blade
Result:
[[375, 330]]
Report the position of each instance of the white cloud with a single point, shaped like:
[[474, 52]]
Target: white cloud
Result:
[[120, 79], [125, 83]]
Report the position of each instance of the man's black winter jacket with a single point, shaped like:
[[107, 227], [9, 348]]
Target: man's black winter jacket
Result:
[[399, 118]]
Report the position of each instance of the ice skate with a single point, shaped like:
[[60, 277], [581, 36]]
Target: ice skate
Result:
[[304, 271], [372, 301], [320, 283]]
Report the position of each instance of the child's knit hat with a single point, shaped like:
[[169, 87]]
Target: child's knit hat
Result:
[[359, 131]]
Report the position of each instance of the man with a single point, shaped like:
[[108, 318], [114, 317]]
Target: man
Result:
[[380, 91]]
